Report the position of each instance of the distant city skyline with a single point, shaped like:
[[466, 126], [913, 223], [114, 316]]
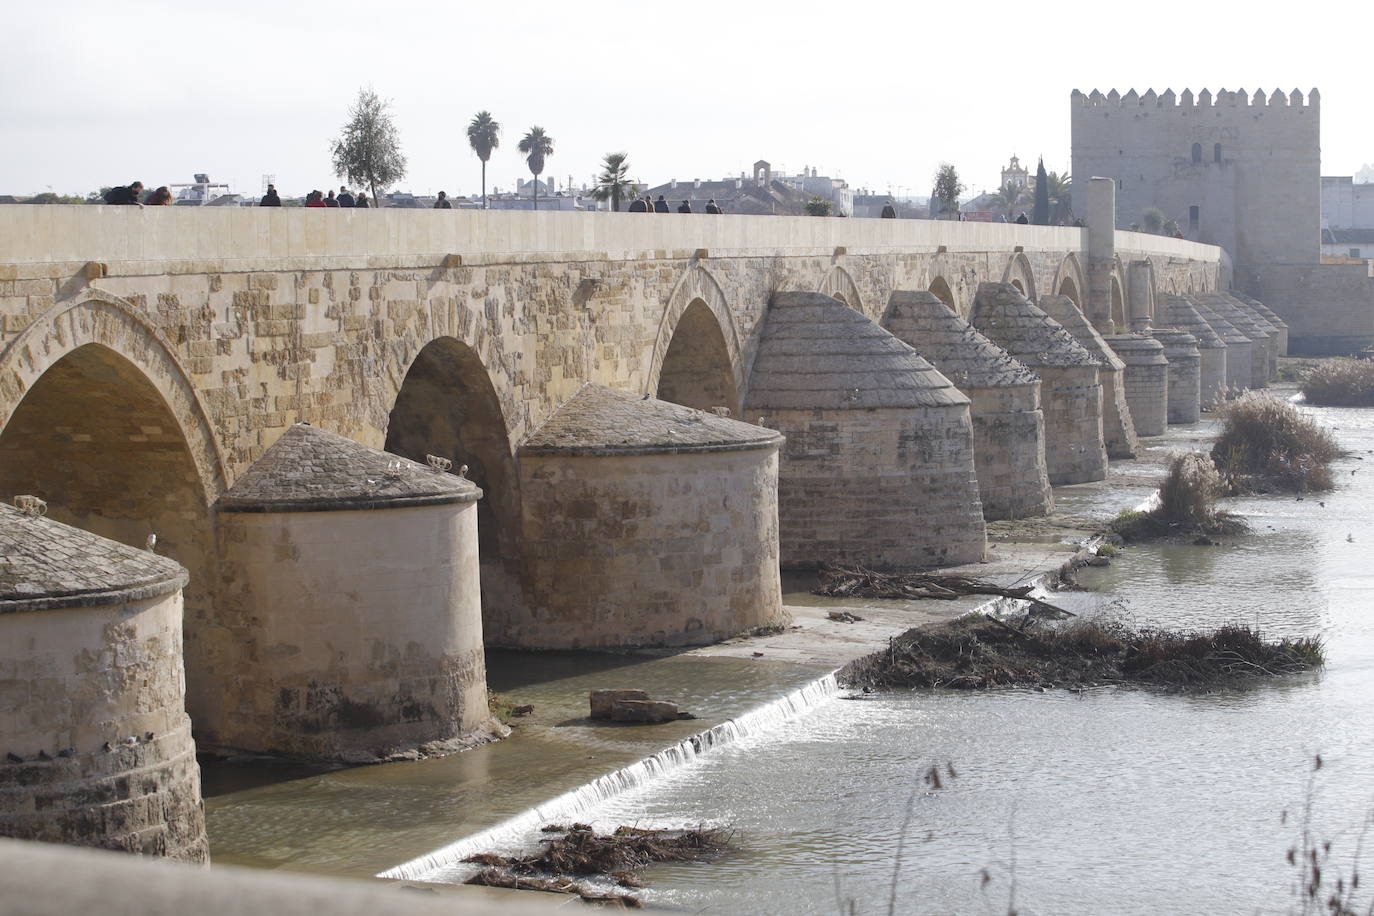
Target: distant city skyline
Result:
[[154, 90]]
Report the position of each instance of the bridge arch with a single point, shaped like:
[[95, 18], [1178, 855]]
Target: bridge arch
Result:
[[839, 284], [1019, 274], [696, 360], [100, 421], [940, 287], [1069, 280]]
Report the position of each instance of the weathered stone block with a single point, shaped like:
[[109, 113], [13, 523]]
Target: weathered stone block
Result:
[[603, 700]]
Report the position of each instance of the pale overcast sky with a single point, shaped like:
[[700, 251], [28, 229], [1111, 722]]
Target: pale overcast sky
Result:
[[102, 93]]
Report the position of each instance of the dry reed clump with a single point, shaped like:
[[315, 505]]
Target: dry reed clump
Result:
[[1267, 444], [1340, 383], [582, 852], [1187, 504], [979, 651]]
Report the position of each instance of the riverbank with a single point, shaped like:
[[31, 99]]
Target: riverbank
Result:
[[366, 820]]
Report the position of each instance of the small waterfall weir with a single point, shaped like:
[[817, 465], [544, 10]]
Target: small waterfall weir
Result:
[[512, 831]]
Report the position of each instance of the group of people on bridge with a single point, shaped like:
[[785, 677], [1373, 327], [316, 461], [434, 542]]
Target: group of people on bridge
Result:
[[645, 205]]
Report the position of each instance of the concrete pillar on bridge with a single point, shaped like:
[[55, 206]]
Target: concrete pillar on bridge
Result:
[[1008, 424], [1070, 390], [1179, 313], [349, 586], [1147, 381], [1185, 374], [1140, 296], [93, 695], [1239, 348], [878, 467], [1099, 214], [1118, 430]]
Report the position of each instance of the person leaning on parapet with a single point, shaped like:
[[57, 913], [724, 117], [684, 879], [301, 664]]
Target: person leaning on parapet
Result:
[[637, 205], [443, 202], [331, 200], [686, 207], [271, 198], [1021, 219], [713, 207], [346, 200], [361, 203], [314, 199], [660, 205], [125, 195], [889, 212], [162, 197]]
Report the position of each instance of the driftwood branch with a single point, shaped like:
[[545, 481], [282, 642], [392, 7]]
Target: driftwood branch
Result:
[[858, 582]]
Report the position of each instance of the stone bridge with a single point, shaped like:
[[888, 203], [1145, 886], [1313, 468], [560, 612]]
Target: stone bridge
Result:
[[150, 356]]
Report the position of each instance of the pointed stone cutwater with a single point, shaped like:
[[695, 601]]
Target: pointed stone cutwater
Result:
[[1239, 348], [645, 523], [354, 573], [1241, 320], [1178, 313], [1070, 390], [1185, 374], [1274, 340], [1147, 381], [1008, 424], [1118, 429], [93, 696], [1270, 315], [878, 467]]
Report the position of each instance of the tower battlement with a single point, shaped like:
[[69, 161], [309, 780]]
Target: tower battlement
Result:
[[1239, 98]]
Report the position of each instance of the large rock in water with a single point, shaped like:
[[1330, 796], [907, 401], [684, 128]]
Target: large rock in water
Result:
[[878, 464], [1070, 390], [646, 711], [1008, 424], [603, 700]]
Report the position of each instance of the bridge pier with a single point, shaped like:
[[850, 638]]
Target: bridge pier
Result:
[[1118, 430]]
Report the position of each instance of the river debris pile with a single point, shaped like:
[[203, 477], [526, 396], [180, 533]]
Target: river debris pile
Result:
[[1187, 504], [1268, 445], [579, 851], [980, 651], [858, 582]]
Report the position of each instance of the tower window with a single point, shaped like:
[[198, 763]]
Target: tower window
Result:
[[1194, 217], [1216, 152], [1197, 153]]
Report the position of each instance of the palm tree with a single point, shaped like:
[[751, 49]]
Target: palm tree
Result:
[[484, 135], [537, 146], [612, 184], [1061, 195], [1007, 196]]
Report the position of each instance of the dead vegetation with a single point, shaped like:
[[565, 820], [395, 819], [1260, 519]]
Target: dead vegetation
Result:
[[858, 582], [578, 851], [1187, 504], [1266, 444], [979, 651], [1340, 383]]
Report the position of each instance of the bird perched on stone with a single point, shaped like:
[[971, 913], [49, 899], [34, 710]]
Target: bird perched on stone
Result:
[[44, 755], [645, 398], [107, 747], [463, 472], [151, 542], [67, 752], [12, 757], [130, 741], [147, 736]]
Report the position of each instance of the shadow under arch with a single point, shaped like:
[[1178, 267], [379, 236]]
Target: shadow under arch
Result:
[[96, 438], [1019, 274], [695, 362], [940, 287], [447, 406], [839, 284], [1118, 306], [1069, 280]]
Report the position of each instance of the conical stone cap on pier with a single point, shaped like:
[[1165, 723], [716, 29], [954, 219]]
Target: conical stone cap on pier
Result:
[[1018, 326], [919, 319], [1180, 314], [1062, 310]]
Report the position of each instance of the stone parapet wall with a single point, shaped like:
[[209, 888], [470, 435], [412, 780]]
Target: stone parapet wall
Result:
[[885, 488], [1009, 451], [92, 699], [646, 550]]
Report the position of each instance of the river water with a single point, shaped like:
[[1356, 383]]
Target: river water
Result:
[[1101, 801]]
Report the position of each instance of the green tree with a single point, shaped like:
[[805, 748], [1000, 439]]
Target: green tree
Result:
[[1152, 220], [1171, 228], [537, 147], [948, 187], [484, 135], [613, 183], [817, 206], [1007, 197], [368, 150], [1040, 212], [48, 197], [1060, 188]]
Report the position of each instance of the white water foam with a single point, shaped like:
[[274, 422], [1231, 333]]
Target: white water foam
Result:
[[513, 831]]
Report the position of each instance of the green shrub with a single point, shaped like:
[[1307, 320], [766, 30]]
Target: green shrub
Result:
[[1340, 383], [1266, 443]]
